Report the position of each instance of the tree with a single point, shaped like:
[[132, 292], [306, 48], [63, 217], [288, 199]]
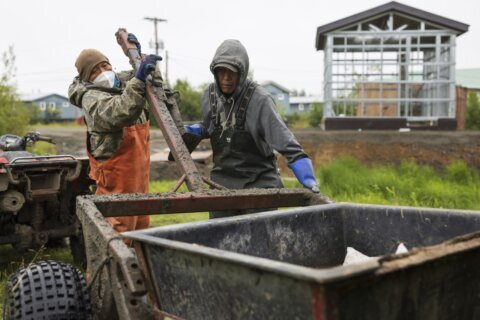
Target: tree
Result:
[[292, 119], [315, 114], [14, 117], [36, 115], [298, 93], [188, 101], [472, 120]]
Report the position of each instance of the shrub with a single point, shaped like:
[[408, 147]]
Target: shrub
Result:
[[14, 117], [409, 184], [315, 114], [472, 120], [458, 172]]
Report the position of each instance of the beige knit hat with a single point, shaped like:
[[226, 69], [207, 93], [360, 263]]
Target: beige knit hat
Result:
[[87, 60]]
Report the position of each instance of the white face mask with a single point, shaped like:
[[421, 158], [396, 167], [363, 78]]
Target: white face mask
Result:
[[107, 79]]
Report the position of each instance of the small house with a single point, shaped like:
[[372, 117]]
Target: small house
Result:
[[53, 106], [280, 95], [303, 104]]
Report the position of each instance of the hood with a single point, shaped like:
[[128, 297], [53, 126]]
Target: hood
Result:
[[233, 53]]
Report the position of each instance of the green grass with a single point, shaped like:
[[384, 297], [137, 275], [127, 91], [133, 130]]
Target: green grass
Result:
[[346, 179], [409, 184], [166, 219], [42, 148]]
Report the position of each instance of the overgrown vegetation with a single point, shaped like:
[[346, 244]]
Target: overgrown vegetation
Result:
[[188, 100], [313, 118], [42, 148], [408, 184], [14, 117], [315, 115], [472, 119]]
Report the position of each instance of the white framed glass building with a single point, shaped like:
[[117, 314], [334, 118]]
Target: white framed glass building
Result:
[[389, 67]]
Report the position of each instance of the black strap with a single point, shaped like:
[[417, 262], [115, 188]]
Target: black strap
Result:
[[242, 107], [213, 105], [241, 114]]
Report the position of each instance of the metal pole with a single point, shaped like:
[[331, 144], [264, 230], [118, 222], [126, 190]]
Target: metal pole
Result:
[[155, 21], [156, 36], [166, 67]]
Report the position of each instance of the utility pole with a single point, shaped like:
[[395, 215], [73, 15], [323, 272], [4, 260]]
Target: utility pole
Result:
[[166, 66], [157, 44]]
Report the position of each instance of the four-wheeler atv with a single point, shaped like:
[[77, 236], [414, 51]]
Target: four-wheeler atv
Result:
[[37, 195]]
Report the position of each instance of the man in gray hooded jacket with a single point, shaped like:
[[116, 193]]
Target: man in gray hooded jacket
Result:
[[244, 128]]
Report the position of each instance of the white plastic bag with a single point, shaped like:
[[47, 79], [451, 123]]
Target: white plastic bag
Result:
[[355, 256]]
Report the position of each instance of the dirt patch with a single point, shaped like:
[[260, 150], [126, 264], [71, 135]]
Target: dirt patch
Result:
[[168, 170], [434, 148]]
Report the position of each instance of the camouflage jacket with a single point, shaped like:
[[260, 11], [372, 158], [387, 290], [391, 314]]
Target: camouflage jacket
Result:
[[108, 111]]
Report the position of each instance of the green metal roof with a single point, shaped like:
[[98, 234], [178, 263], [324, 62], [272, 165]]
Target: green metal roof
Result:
[[469, 78]]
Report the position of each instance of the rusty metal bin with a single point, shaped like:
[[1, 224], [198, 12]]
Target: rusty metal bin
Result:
[[288, 264]]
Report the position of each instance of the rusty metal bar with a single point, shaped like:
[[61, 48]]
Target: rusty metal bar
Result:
[[212, 184], [100, 234], [209, 200], [129, 49], [158, 102], [179, 183], [128, 305], [156, 98]]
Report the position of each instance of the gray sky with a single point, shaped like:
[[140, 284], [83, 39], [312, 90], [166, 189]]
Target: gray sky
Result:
[[279, 35]]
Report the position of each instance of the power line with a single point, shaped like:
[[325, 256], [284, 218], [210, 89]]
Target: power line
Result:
[[155, 24], [155, 21]]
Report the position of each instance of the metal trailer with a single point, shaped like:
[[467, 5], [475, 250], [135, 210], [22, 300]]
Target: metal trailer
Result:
[[120, 286], [284, 264], [288, 264]]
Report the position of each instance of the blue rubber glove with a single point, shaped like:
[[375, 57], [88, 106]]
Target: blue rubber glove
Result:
[[133, 39], [196, 129], [146, 66], [303, 170]]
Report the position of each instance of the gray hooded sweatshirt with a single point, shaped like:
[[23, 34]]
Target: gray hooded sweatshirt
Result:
[[262, 120]]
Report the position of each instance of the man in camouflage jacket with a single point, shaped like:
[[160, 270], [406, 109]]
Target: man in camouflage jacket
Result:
[[117, 127]]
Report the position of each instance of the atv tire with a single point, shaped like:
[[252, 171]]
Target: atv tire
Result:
[[47, 290]]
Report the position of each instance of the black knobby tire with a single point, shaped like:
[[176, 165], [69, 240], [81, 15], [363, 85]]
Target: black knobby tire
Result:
[[47, 290]]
